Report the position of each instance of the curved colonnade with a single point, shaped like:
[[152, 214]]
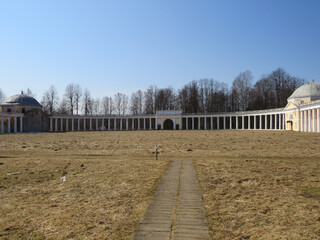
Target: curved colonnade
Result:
[[255, 120]]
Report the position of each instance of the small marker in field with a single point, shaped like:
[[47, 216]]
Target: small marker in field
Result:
[[157, 147]]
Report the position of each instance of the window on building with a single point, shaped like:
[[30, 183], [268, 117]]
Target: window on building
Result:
[[302, 102], [291, 116], [8, 110]]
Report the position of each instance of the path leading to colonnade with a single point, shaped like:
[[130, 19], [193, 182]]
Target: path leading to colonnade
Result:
[[176, 211]]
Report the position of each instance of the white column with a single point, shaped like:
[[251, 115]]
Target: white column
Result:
[[318, 117], [199, 120], [9, 124], [301, 121], [2, 127], [78, 124], [150, 123], [21, 124], [156, 123], [237, 124], [127, 124], [61, 123], [249, 122], [67, 124], [103, 127], [51, 126], [144, 123], [56, 125], [218, 127], [115, 124], [15, 124], [260, 122], [121, 124], [132, 124], [271, 122], [84, 124], [90, 124], [211, 120], [109, 123], [97, 124], [192, 123], [174, 123], [138, 123], [72, 124], [266, 122], [305, 121], [309, 120], [187, 123], [224, 122], [276, 121], [254, 122], [313, 121], [205, 123], [230, 122], [242, 122]]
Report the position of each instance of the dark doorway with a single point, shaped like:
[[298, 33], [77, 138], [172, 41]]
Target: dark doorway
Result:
[[168, 124]]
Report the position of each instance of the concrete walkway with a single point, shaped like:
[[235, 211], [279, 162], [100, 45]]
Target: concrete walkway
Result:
[[176, 210]]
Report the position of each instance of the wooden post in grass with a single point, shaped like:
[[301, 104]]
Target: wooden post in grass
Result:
[[157, 147]]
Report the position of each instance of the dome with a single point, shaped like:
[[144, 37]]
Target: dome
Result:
[[24, 100], [309, 90]]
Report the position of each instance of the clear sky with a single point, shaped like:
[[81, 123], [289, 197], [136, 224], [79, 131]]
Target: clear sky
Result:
[[121, 46]]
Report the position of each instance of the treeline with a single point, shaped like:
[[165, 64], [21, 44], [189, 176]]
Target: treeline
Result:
[[198, 96]]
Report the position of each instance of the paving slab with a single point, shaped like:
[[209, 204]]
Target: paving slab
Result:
[[176, 210]]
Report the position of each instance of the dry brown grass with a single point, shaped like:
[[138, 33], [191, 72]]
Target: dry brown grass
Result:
[[262, 185], [256, 185], [105, 199]]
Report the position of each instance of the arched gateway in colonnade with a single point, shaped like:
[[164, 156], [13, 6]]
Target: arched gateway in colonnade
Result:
[[168, 124], [302, 113]]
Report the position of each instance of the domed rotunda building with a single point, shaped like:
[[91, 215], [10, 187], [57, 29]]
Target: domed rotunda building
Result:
[[303, 108], [20, 103], [28, 110]]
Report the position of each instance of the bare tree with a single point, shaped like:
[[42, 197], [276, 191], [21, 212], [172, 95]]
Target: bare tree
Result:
[[189, 98], [150, 99], [165, 99], [118, 103], [2, 96], [136, 106], [63, 108], [69, 97], [87, 102], [121, 103], [107, 105], [273, 90], [77, 97], [241, 88], [50, 100], [96, 106], [125, 101]]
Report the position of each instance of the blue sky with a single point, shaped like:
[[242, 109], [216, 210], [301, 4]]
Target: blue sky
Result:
[[121, 46]]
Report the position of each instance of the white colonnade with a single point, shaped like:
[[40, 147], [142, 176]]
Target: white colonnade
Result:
[[11, 123]]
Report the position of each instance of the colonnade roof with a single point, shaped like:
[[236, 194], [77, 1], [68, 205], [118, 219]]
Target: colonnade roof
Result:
[[243, 113]]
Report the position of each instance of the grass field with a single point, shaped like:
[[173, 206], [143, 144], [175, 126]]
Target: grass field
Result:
[[255, 184]]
